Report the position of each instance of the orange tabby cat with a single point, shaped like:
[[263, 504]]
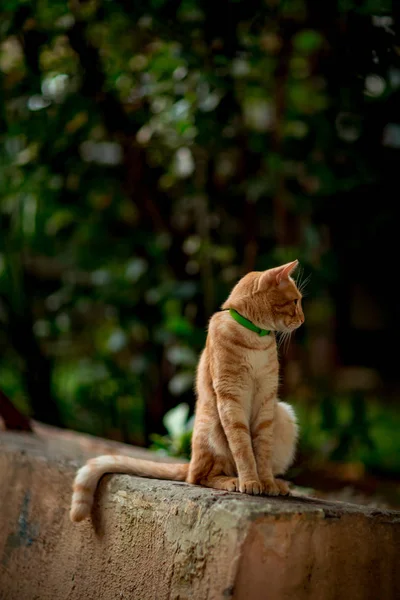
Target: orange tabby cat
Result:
[[242, 435]]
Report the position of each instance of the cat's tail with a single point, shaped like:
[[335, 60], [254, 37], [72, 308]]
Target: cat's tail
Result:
[[88, 477]]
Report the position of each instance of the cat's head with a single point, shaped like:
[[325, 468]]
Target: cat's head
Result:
[[270, 299]]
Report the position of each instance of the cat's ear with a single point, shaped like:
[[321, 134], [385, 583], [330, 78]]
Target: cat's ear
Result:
[[278, 274], [285, 271]]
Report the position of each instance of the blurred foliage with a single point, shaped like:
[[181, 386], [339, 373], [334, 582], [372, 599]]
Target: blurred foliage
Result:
[[177, 441], [152, 153], [361, 431]]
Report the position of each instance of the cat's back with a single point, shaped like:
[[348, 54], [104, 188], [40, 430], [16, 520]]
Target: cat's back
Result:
[[222, 329]]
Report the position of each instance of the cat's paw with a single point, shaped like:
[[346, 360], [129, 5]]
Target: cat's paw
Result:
[[231, 484], [283, 486], [251, 486], [270, 487]]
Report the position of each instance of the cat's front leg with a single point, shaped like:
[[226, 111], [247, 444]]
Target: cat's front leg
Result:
[[262, 438], [237, 431]]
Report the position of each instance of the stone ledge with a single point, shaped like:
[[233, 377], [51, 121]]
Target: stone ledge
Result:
[[159, 540]]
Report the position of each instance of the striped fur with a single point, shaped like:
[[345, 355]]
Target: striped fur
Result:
[[88, 477], [242, 437]]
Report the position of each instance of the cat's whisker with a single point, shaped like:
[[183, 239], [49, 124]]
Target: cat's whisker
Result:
[[287, 344], [281, 338], [278, 339], [303, 284], [284, 341], [282, 344], [299, 277]]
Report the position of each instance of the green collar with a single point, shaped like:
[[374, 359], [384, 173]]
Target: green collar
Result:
[[248, 324]]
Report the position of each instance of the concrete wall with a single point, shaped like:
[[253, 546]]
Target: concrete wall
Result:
[[163, 540]]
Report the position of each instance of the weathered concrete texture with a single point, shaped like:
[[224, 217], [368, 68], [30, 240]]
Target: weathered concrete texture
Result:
[[163, 540]]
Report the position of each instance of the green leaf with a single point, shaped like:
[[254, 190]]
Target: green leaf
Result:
[[308, 41]]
